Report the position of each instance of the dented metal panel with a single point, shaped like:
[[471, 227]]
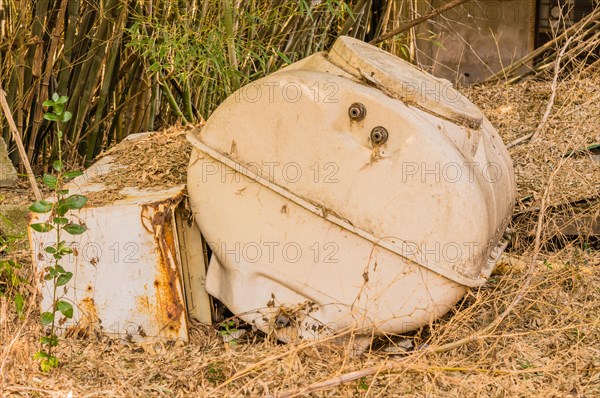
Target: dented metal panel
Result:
[[127, 266], [126, 279], [366, 200]]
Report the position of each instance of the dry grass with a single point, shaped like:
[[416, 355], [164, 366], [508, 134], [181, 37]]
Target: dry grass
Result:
[[548, 346]]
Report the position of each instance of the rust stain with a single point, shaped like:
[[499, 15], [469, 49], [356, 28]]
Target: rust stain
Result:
[[89, 311], [170, 305], [88, 319], [143, 304]]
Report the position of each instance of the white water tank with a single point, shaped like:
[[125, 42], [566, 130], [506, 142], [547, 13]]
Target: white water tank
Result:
[[348, 190]]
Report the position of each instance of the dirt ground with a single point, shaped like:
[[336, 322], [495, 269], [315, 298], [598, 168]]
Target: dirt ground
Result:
[[547, 346]]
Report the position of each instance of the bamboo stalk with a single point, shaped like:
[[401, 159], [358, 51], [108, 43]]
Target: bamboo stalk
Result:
[[358, 8], [140, 107], [89, 74], [34, 54], [69, 40], [231, 50], [105, 89], [19, 142], [418, 21], [172, 102], [153, 100], [43, 90]]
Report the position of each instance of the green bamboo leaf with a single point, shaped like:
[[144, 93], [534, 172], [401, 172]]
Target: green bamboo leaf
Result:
[[8, 264], [49, 181], [63, 99], [75, 202], [48, 103], [40, 206], [50, 249], [75, 229], [42, 227], [55, 97], [64, 279], [47, 318], [65, 308]]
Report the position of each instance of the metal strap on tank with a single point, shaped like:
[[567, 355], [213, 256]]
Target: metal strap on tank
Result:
[[321, 212]]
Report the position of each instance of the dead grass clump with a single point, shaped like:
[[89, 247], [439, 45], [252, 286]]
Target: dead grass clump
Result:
[[153, 162], [565, 143], [156, 161]]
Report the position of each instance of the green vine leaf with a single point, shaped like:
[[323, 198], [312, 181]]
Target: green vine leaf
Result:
[[51, 341], [19, 303], [75, 229], [41, 206], [57, 165], [47, 318], [49, 363], [65, 308], [42, 227], [40, 355], [49, 181], [63, 279], [75, 202], [69, 175], [66, 116], [50, 116]]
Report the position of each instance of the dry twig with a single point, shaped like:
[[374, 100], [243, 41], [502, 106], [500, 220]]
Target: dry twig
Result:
[[21, 148]]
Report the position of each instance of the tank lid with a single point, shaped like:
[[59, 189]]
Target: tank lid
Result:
[[402, 80]]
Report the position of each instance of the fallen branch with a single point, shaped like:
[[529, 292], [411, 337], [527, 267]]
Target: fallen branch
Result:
[[417, 21], [519, 140], [584, 24], [20, 147], [553, 87]]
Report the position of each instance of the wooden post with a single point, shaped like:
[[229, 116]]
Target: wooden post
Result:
[[21, 148]]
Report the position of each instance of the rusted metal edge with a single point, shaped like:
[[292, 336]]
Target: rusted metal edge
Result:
[[158, 218]]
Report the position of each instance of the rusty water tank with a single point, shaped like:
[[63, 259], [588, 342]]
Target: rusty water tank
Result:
[[348, 190]]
